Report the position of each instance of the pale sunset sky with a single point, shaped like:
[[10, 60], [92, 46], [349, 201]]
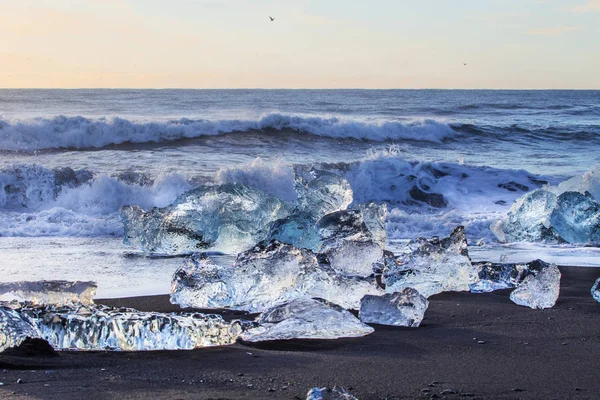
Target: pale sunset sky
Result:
[[311, 44]]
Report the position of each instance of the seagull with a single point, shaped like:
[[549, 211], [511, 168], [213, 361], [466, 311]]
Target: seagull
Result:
[[272, 19], [465, 64]]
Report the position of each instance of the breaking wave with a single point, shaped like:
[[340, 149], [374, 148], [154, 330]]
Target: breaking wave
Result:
[[63, 132]]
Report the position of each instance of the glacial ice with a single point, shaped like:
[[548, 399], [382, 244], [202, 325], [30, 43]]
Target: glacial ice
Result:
[[306, 318], [493, 276], [48, 292], [321, 192], [596, 290], [262, 277], [229, 218], [297, 229], [542, 216], [14, 329], [405, 308], [329, 394], [348, 244], [539, 290], [432, 266], [104, 328]]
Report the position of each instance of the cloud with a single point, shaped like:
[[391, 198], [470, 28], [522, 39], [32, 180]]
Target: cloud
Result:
[[553, 31], [590, 6]]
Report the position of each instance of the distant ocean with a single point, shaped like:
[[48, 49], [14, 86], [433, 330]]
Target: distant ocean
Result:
[[69, 159]]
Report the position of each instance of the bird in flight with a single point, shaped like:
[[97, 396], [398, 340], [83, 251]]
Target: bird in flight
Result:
[[272, 19], [465, 64]]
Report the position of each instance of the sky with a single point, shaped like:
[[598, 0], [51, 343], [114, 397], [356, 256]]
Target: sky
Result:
[[512, 44]]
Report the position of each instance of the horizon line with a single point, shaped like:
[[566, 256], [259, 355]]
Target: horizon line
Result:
[[284, 88]]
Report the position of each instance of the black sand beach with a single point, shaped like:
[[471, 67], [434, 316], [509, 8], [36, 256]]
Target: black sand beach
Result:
[[469, 346]]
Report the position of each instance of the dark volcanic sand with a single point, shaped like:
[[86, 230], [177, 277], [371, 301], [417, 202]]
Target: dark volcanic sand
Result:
[[543, 354]]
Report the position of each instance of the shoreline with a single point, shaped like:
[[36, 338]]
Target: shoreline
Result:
[[526, 354]]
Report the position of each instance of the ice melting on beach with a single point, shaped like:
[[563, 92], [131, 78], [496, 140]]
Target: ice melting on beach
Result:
[[321, 192], [306, 319], [48, 292], [493, 276], [105, 328], [230, 217], [329, 394], [539, 290], [432, 266], [596, 290], [405, 308], [262, 277], [14, 329]]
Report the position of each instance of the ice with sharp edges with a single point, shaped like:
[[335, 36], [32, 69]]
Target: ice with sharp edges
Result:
[[405, 308], [321, 192], [596, 290], [49, 292], [262, 277], [432, 266], [14, 329], [306, 318], [297, 229], [229, 218], [348, 244], [493, 276], [104, 328], [544, 216], [539, 290], [325, 393]]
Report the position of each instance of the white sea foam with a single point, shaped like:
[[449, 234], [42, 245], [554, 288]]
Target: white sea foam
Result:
[[79, 132]]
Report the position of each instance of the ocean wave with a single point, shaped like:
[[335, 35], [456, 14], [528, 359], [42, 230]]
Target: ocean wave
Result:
[[63, 132]]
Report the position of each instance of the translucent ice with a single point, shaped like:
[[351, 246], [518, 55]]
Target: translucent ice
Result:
[[321, 192], [14, 329], [229, 218], [348, 244], [494, 276], [596, 290], [329, 394], [48, 292], [405, 308], [539, 290], [297, 229], [542, 216], [306, 319], [105, 328], [267, 275], [433, 266]]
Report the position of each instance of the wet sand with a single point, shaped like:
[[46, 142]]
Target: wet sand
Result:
[[526, 354]]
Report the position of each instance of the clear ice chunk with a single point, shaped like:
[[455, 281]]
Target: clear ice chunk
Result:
[[493, 276], [297, 229], [321, 192], [539, 290], [329, 394], [306, 318], [596, 290], [14, 329], [432, 266], [105, 328], [229, 218], [374, 216], [405, 308], [542, 216], [48, 292], [262, 277], [348, 244]]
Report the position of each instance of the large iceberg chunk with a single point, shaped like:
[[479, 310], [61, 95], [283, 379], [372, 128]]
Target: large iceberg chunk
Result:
[[542, 216], [321, 192], [297, 229], [325, 393], [405, 308], [105, 328], [306, 319], [596, 290], [493, 276], [267, 275], [348, 244], [14, 329], [48, 292], [228, 218], [433, 266], [539, 290]]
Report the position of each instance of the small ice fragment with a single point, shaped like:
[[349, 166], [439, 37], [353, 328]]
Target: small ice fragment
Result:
[[405, 308], [329, 394], [596, 290], [539, 290], [306, 319]]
